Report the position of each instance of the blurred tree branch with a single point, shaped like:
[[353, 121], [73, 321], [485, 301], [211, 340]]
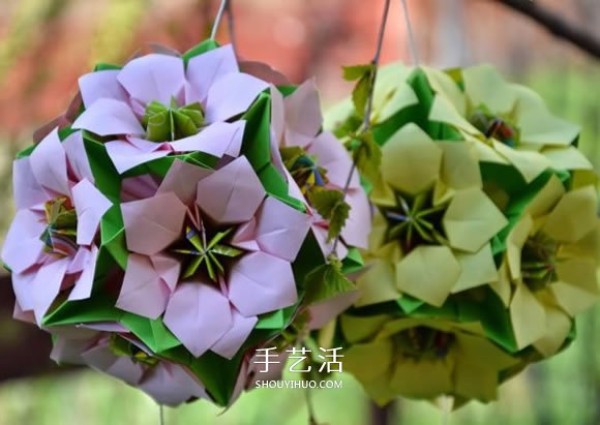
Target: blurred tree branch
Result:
[[556, 25]]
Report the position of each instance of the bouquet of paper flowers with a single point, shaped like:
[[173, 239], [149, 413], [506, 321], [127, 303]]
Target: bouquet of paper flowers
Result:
[[166, 225], [485, 242]]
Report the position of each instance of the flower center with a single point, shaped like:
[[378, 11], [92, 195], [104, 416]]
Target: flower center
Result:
[[123, 348], [415, 221], [303, 168], [494, 126], [60, 236], [173, 122], [422, 342], [204, 252], [538, 261]]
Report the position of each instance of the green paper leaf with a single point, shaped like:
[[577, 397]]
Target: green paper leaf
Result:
[[326, 281], [153, 333], [332, 207], [203, 47], [365, 76]]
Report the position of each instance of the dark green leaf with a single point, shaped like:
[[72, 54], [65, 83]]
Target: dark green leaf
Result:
[[331, 206], [367, 156]]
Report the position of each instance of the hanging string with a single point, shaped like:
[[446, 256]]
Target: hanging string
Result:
[[411, 37], [217, 22], [161, 412], [231, 25], [366, 124]]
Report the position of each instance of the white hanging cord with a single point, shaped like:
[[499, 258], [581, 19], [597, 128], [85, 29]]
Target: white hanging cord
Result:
[[217, 22], [162, 414], [411, 37]]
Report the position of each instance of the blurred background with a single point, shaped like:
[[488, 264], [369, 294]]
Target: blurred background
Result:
[[46, 44]]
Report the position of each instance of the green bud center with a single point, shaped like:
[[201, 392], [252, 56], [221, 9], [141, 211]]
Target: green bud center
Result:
[[173, 122]]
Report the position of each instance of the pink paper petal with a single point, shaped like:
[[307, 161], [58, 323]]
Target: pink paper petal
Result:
[[126, 155], [171, 385], [105, 327], [68, 350], [332, 156], [217, 140], [46, 285], [77, 157], [182, 180], [101, 84], [49, 165], [27, 191], [230, 343], [19, 313], [22, 288], [22, 247], [358, 225], [143, 291], [245, 236], [108, 117], [90, 205], [168, 268], [232, 95], [102, 358], [303, 111], [198, 315], [277, 114], [281, 229], [152, 224], [260, 283], [138, 187], [153, 77], [83, 287], [206, 69], [326, 311], [231, 194]]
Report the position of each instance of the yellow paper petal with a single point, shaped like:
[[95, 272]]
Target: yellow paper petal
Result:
[[358, 328], [411, 161], [567, 158], [460, 169], [529, 164], [471, 220], [537, 124], [377, 284], [422, 379], [502, 287], [574, 216], [588, 246], [443, 111], [514, 245], [485, 153], [577, 286], [485, 86], [546, 198], [478, 363], [428, 273], [528, 317], [559, 326], [444, 85], [476, 269], [369, 361]]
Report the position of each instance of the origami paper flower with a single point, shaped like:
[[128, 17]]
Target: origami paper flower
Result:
[[212, 261], [549, 267], [314, 159], [51, 246], [160, 104], [512, 121], [119, 354], [430, 210], [422, 358]]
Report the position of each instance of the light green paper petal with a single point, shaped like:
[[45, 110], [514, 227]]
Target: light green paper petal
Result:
[[559, 326], [444, 85], [411, 161], [530, 164], [377, 284], [471, 220], [485, 86], [528, 317], [428, 273], [514, 245], [476, 269], [356, 329], [574, 216], [443, 111], [567, 158], [422, 379], [460, 169], [577, 286]]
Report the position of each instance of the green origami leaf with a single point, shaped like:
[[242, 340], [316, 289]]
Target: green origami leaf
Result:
[[367, 155], [326, 281], [173, 122], [365, 75], [331, 205]]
